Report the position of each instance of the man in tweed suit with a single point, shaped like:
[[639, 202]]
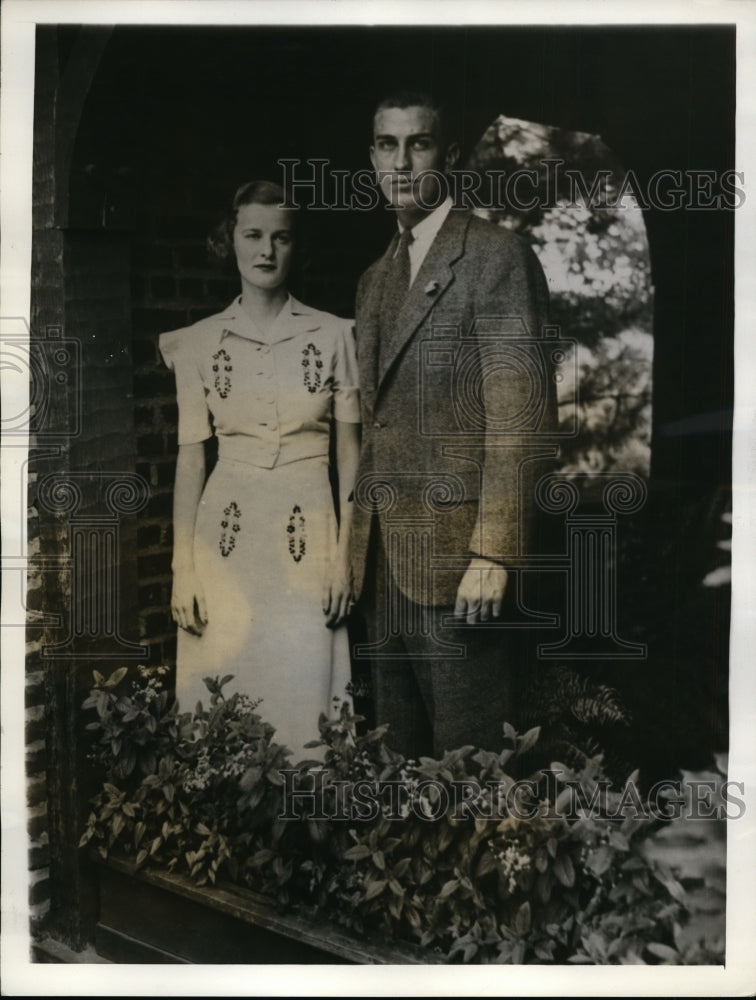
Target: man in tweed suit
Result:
[[456, 399]]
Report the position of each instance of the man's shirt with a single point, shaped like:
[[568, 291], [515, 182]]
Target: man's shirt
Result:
[[423, 235]]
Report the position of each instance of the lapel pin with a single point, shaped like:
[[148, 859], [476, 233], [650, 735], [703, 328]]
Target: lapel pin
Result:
[[431, 288]]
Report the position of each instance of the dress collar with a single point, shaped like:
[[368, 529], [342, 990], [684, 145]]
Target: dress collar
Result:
[[293, 319]]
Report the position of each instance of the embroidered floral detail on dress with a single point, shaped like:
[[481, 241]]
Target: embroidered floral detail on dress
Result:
[[312, 380], [222, 363], [297, 534], [229, 527]]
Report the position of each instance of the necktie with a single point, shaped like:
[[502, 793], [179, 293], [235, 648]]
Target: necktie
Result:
[[395, 288], [401, 264]]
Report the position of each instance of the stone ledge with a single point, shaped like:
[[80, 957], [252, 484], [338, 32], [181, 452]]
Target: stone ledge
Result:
[[51, 951], [160, 916]]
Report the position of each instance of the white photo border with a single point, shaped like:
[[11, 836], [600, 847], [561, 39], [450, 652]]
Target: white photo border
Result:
[[21, 976]]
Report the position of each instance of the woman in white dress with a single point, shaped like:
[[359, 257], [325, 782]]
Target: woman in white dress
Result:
[[261, 579]]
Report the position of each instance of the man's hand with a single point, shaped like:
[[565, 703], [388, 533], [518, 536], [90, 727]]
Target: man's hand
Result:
[[481, 591]]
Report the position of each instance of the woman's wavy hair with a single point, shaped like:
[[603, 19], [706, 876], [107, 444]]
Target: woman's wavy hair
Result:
[[220, 242]]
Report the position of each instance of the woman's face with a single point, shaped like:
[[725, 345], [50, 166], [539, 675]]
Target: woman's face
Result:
[[264, 244]]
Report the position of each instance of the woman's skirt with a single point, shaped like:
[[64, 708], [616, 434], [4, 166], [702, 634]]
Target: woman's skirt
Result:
[[263, 541]]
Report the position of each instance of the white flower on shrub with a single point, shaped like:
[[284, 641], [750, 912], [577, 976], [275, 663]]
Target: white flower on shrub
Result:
[[511, 861]]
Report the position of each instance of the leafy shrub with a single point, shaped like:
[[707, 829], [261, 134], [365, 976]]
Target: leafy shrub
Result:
[[455, 855], [182, 791], [580, 717]]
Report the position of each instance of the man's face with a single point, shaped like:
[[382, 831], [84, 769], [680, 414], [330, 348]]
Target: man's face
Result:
[[406, 145]]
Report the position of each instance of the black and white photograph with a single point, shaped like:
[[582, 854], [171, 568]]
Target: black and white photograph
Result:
[[377, 470]]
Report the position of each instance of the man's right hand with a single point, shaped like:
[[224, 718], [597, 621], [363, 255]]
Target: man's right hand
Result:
[[188, 602], [481, 591]]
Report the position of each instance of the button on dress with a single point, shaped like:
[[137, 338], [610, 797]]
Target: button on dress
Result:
[[265, 528]]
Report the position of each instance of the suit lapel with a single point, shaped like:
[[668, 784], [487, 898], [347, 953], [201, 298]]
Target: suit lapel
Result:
[[433, 278]]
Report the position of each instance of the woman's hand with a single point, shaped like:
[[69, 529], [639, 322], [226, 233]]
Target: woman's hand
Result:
[[338, 592], [188, 599], [188, 602]]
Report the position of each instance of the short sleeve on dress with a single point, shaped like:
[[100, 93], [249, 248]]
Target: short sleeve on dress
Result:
[[193, 414], [346, 392]]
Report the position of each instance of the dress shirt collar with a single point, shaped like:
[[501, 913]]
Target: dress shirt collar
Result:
[[423, 234], [293, 319]]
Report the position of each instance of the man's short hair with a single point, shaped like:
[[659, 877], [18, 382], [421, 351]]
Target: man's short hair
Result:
[[445, 115]]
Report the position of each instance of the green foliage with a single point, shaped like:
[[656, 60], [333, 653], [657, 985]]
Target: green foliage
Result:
[[588, 232], [592, 244], [187, 792], [453, 855], [580, 718]]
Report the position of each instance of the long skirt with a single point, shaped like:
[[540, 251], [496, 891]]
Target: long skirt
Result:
[[263, 541]]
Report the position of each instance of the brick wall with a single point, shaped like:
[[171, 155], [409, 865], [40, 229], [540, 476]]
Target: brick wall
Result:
[[47, 249], [81, 293], [173, 285], [35, 733], [36, 752]]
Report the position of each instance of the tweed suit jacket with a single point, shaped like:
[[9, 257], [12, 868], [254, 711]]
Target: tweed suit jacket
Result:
[[457, 402]]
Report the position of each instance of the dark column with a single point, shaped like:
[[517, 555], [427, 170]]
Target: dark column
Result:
[[82, 487]]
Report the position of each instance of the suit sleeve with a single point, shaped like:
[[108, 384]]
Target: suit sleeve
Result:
[[518, 399], [362, 287], [365, 352]]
